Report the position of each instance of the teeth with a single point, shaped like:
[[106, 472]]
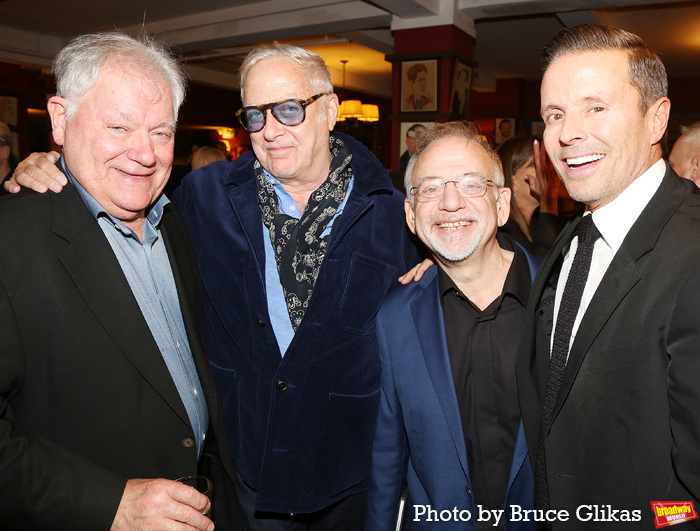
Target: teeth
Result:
[[583, 160], [453, 225]]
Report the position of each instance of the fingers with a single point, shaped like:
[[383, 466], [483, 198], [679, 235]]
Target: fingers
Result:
[[416, 272], [38, 172], [161, 504]]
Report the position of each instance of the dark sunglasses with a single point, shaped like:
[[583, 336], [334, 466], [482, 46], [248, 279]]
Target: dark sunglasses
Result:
[[287, 112]]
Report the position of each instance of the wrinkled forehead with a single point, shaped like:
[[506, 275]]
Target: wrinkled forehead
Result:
[[275, 79]]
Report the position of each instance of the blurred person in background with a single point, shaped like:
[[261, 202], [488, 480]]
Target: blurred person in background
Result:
[[534, 221]]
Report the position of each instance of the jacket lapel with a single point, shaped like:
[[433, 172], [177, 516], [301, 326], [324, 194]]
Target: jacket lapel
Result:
[[90, 262], [430, 327], [622, 275]]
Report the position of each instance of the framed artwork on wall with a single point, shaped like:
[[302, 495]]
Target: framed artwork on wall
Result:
[[410, 132], [419, 85], [461, 86]]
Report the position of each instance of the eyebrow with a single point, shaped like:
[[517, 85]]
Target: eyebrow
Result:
[[587, 99], [171, 124], [436, 178]]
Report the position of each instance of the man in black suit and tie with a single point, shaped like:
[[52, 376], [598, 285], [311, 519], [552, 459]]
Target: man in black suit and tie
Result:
[[609, 363], [105, 392]]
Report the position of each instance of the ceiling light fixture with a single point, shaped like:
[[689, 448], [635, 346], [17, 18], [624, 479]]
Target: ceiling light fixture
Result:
[[355, 109]]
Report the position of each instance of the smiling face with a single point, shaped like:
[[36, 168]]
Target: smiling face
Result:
[[595, 133], [454, 227], [119, 141], [290, 152]]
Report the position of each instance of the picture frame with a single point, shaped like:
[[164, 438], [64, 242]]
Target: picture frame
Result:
[[419, 86], [8, 110], [409, 133], [505, 129], [461, 88]]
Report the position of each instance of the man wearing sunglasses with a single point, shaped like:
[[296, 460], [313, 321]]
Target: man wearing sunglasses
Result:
[[449, 425], [297, 243]]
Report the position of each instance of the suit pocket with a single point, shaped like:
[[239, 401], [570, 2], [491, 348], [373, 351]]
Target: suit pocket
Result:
[[619, 357], [367, 283], [345, 446]]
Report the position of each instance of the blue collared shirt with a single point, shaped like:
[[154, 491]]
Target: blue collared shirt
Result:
[[147, 269], [276, 303]]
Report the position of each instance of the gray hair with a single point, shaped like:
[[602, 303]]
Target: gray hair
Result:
[[463, 130], [315, 67], [646, 72], [77, 67], [691, 135], [5, 135]]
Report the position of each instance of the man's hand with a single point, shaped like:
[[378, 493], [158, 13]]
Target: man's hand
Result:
[[546, 184], [416, 272], [161, 504], [38, 172]]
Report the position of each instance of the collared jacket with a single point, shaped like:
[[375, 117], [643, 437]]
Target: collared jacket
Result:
[[419, 441], [300, 427]]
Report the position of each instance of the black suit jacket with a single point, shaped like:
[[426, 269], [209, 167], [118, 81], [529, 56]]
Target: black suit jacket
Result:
[[86, 400], [627, 419]]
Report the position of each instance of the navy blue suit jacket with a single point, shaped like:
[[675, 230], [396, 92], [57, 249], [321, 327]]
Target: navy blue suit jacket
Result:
[[300, 426], [419, 439]]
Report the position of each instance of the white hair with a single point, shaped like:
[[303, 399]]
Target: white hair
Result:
[[77, 67]]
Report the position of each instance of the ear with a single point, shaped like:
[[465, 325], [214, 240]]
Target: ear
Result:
[[410, 215], [659, 113], [332, 110], [503, 205], [5, 152], [694, 169], [57, 108]]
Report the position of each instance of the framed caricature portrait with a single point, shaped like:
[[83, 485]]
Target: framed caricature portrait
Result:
[[460, 89], [505, 129], [410, 132], [419, 85]]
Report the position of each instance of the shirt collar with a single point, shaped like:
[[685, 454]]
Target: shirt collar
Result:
[[615, 219], [155, 212], [517, 281]]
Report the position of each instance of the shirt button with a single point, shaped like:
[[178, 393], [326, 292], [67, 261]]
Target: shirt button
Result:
[[260, 322], [281, 385], [188, 443]]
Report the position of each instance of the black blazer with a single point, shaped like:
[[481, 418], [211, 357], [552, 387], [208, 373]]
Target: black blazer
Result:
[[86, 400], [626, 421]]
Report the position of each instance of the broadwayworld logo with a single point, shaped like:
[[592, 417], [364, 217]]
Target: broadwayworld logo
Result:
[[671, 513]]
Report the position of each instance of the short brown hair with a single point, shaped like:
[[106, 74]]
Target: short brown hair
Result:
[[646, 71]]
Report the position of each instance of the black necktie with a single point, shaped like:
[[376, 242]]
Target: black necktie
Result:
[[587, 234]]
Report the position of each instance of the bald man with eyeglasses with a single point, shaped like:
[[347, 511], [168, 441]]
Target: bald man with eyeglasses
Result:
[[297, 242]]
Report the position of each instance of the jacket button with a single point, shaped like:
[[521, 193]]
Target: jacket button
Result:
[[469, 492], [281, 385], [260, 322], [188, 443]]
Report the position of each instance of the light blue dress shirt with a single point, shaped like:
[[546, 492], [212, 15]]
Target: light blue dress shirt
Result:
[[276, 303], [147, 269]]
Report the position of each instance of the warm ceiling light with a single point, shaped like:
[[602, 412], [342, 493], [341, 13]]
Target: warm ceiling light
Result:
[[355, 108], [370, 113]]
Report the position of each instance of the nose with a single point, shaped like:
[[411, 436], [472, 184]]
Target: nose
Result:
[[141, 149], [451, 200], [273, 128], [572, 129]]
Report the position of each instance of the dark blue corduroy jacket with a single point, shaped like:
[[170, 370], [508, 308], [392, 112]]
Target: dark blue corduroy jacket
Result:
[[300, 427]]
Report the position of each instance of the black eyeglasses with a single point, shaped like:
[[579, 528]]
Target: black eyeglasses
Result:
[[287, 112]]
